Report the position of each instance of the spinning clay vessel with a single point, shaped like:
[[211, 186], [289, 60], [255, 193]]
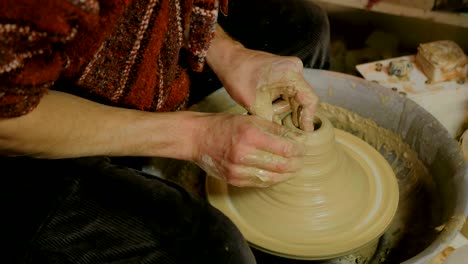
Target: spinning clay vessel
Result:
[[341, 202]]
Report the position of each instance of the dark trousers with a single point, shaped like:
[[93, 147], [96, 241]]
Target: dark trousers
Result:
[[92, 210]]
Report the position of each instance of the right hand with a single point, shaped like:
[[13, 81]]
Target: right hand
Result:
[[262, 78], [247, 150]]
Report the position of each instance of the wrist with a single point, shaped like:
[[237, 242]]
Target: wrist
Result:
[[171, 135]]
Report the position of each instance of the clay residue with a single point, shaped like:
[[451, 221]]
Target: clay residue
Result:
[[384, 98], [419, 209], [412, 229], [433, 88], [418, 214], [330, 91], [314, 201], [410, 89], [405, 158]]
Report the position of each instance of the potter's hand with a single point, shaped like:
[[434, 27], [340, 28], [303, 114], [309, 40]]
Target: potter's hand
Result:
[[246, 150], [261, 78]]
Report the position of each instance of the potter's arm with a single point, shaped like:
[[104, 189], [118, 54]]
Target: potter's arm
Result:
[[256, 79], [65, 125]]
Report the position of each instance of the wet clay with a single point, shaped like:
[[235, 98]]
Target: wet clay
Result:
[[341, 202], [419, 213], [414, 225], [403, 159]]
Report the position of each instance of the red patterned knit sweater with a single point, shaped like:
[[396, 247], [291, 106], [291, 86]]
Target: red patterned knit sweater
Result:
[[127, 53]]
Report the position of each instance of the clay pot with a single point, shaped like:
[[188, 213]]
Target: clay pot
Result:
[[340, 203]]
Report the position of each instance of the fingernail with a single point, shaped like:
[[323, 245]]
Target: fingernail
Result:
[[281, 106], [262, 175]]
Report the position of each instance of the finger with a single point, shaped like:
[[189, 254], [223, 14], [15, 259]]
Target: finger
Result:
[[280, 140], [250, 182], [281, 109], [308, 101], [243, 176], [254, 177], [263, 106], [306, 119], [300, 96], [296, 108], [268, 161], [271, 107], [307, 110], [286, 131], [298, 63]]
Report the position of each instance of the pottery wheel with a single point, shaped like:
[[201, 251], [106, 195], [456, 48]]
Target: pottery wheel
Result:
[[341, 202]]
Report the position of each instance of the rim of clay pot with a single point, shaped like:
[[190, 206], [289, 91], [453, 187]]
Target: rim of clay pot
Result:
[[313, 243]]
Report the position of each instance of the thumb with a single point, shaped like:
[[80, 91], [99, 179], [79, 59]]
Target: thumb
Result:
[[263, 106]]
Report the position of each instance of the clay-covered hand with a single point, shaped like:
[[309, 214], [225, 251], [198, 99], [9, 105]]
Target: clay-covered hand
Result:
[[260, 79], [246, 150]]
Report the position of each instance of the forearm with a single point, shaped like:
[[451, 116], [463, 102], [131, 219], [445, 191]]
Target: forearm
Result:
[[224, 53], [64, 126]]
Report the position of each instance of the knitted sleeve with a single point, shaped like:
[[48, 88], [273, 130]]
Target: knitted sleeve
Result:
[[203, 19], [30, 39]]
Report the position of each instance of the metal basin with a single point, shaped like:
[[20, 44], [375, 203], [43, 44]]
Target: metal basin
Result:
[[434, 189]]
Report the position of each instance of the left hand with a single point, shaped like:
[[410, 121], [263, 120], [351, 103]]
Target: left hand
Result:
[[259, 79]]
